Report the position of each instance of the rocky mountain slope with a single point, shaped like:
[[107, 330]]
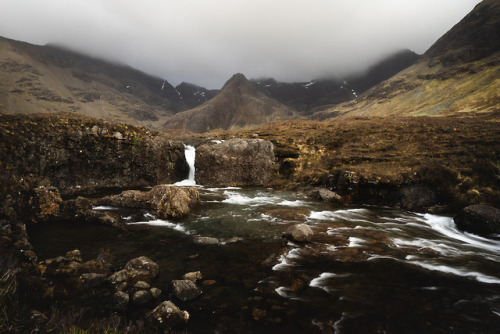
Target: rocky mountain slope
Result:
[[307, 97], [52, 79], [239, 104], [459, 73]]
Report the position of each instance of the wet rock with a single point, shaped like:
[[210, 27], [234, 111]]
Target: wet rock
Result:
[[118, 277], [293, 214], [235, 162], [300, 233], [155, 292], [205, 240], [480, 219], [167, 315], [167, 201], [142, 297], [93, 280], [417, 197], [193, 276], [185, 290], [142, 269], [119, 301], [141, 285], [325, 195]]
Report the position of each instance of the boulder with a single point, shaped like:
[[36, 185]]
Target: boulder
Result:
[[93, 280], [119, 301], [167, 315], [480, 219], [328, 195], [235, 162], [167, 201], [192, 276], [142, 269], [417, 197], [185, 290], [300, 233], [142, 297]]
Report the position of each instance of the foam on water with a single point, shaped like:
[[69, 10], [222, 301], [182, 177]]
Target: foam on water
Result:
[[105, 208], [164, 223]]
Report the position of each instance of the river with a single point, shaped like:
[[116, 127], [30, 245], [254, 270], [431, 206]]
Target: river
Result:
[[367, 270]]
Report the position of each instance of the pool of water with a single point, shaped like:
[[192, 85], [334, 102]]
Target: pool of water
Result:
[[367, 270]]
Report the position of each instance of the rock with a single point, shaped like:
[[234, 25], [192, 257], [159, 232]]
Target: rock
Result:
[[300, 233], [328, 195], [93, 280], [118, 135], [142, 269], [205, 240], [480, 219], [185, 290], [293, 214], [119, 301], [192, 276], [417, 197], [45, 203], [235, 162], [155, 292], [141, 285], [167, 315], [167, 201], [142, 297], [118, 277], [74, 255]]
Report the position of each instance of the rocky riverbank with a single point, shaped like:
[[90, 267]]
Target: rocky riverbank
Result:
[[424, 164]]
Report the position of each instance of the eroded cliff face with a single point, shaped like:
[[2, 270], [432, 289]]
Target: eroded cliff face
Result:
[[235, 162], [83, 155]]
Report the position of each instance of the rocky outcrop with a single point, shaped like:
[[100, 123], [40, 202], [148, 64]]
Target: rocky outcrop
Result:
[[167, 201], [235, 162], [480, 219], [82, 155]]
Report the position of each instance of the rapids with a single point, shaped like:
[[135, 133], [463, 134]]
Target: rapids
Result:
[[368, 269]]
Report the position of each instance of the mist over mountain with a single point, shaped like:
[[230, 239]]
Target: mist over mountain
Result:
[[458, 74]]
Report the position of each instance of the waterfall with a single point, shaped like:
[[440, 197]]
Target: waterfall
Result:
[[190, 154]]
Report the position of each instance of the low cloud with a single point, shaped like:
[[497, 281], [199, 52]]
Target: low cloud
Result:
[[205, 42]]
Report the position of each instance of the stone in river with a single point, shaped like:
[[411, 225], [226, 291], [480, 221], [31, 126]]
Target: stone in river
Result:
[[185, 290], [300, 233]]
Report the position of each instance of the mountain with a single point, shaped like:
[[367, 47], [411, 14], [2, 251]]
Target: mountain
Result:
[[52, 79], [193, 95], [459, 73], [238, 105], [307, 97]]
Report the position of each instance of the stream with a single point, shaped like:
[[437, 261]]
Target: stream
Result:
[[367, 270]]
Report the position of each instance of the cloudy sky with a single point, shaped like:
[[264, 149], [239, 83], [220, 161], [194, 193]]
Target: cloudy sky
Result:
[[206, 41]]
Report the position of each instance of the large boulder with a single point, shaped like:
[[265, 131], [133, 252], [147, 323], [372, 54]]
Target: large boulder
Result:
[[480, 219], [185, 290], [168, 201], [167, 315], [235, 162]]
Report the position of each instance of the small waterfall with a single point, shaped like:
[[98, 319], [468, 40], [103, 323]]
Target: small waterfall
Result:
[[190, 154]]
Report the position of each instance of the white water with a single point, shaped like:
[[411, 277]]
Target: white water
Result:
[[190, 154]]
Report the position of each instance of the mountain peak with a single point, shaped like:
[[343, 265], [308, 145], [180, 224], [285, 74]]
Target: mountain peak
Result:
[[475, 37]]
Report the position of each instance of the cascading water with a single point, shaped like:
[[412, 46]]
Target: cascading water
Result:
[[190, 154]]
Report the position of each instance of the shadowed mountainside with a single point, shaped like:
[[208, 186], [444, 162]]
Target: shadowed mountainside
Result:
[[459, 73], [52, 79], [238, 105]]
